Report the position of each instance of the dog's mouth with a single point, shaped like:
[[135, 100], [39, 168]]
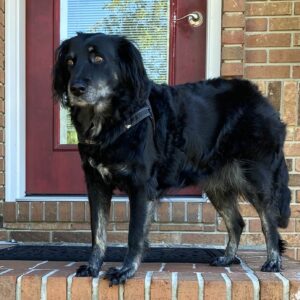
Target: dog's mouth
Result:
[[95, 96]]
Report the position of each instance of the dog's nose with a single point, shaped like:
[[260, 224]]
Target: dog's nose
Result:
[[78, 88]]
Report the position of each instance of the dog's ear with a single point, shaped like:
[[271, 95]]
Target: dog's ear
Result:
[[133, 73], [60, 74]]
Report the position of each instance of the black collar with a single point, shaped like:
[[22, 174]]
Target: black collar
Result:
[[130, 122]]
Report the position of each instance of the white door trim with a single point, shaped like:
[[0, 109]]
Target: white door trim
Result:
[[15, 92]]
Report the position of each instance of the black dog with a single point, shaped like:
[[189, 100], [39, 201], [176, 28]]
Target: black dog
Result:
[[144, 138]]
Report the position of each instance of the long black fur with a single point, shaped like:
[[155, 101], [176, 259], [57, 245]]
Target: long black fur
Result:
[[221, 134]]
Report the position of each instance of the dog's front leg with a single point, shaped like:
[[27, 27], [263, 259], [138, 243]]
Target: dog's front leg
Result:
[[99, 196], [141, 211]]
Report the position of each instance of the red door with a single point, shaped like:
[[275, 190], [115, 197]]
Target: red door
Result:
[[55, 169]]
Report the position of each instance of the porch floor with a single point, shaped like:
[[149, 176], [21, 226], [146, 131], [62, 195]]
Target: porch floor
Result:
[[30, 280]]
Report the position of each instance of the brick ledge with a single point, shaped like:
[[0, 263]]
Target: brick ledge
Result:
[[55, 280]]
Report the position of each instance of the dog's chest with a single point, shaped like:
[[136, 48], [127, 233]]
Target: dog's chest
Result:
[[110, 172]]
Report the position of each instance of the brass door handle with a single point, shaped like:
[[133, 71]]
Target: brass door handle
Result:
[[194, 18]]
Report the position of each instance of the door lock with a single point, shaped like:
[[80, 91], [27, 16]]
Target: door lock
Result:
[[194, 18]]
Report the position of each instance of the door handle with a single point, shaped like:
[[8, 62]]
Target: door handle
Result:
[[194, 18]]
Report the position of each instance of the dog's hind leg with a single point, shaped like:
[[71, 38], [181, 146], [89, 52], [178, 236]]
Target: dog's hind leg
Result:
[[141, 211], [265, 202], [226, 205]]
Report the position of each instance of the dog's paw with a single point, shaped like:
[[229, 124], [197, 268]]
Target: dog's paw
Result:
[[224, 261], [272, 266], [86, 271], [119, 275]]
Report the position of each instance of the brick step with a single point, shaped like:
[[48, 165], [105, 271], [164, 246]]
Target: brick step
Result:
[[30, 280]]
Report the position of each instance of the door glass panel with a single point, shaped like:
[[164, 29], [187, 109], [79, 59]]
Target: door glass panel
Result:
[[146, 22]]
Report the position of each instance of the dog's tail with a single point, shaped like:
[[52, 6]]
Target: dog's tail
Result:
[[282, 193]]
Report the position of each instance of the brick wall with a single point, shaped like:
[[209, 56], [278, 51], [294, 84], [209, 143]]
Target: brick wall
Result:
[[268, 53], [261, 42]]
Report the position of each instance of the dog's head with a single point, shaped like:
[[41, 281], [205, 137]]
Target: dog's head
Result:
[[91, 69]]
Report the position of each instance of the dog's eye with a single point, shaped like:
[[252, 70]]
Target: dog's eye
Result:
[[98, 59], [70, 62]]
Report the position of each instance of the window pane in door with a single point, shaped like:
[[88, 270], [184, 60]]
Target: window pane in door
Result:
[[146, 22]]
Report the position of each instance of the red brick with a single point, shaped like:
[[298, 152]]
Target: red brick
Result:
[[262, 86], [120, 212], [295, 210], [37, 211], [296, 72], [270, 286], [286, 55], [81, 288], [289, 163], [291, 23], [87, 212], [292, 149], [268, 40], [268, 9], [233, 37], [233, 20], [233, 5], [161, 287], [72, 237], [56, 288], [294, 282], [256, 56], [232, 53], [297, 8], [178, 212], [51, 211], [268, 72], [293, 240], [187, 286], [254, 225], [252, 239], [165, 237], [290, 94], [214, 286], [181, 227], [290, 133], [247, 210], [208, 213], [163, 212], [297, 133], [64, 211], [221, 225], [296, 39], [9, 214], [135, 287], [297, 165], [22, 211], [203, 238], [117, 237], [3, 235], [291, 253], [242, 286], [193, 212], [256, 24], [106, 292], [8, 287], [232, 69], [78, 211], [30, 236], [274, 94], [31, 285]]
